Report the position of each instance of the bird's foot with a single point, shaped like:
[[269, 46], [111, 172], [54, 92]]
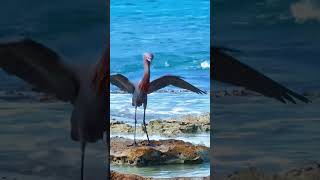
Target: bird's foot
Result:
[[150, 144], [133, 145]]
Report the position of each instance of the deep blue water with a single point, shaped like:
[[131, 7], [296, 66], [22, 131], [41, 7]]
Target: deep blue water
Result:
[[177, 32]]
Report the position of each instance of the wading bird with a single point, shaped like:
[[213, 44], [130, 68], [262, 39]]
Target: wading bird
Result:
[[85, 90], [144, 87], [226, 69], [229, 70]]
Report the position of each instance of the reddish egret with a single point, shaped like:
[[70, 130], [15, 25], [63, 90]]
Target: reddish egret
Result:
[[227, 69], [144, 87], [85, 90]]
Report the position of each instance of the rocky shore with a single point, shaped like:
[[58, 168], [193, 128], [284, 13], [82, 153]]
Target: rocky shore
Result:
[[169, 127], [311, 172], [159, 152], [121, 176]]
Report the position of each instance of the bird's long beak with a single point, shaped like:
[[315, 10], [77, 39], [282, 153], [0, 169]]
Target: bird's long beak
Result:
[[148, 56], [149, 59]]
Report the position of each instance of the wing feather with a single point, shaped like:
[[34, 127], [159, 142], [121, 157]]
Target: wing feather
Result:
[[39, 66], [174, 81], [229, 70], [122, 82]]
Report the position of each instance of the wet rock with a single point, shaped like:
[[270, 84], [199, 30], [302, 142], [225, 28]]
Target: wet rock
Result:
[[117, 126], [159, 152], [121, 176], [185, 124], [306, 173], [170, 127]]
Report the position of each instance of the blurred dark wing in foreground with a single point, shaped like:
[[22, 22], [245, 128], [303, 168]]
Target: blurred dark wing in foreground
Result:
[[229, 70], [39, 66]]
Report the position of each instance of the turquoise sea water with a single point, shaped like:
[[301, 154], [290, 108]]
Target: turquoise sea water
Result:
[[178, 33]]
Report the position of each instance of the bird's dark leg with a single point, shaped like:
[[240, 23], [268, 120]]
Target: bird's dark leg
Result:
[[83, 148], [144, 122], [135, 126]]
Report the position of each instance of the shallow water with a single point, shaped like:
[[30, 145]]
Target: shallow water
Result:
[[35, 143], [264, 133], [167, 171], [160, 106]]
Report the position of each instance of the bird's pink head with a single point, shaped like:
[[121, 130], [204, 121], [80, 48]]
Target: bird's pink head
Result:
[[148, 57]]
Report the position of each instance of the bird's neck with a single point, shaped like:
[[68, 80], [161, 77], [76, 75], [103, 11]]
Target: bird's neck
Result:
[[146, 72]]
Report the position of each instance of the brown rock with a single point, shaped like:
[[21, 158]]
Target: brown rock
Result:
[[170, 127], [160, 152], [120, 176], [117, 126]]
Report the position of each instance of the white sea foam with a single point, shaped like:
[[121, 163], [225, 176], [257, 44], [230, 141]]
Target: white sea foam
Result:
[[199, 139], [160, 105], [205, 65]]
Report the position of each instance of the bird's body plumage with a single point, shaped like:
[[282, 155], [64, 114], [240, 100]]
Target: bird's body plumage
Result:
[[140, 96]]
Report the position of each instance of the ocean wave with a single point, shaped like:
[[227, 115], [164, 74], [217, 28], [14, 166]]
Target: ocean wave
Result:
[[205, 65], [170, 91]]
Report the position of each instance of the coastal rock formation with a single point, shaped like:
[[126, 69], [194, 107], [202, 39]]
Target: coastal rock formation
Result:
[[121, 176], [121, 127], [306, 173], [185, 124], [160, 152], [170, 127]]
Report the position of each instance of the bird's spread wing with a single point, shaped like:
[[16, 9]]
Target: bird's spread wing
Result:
[[122, 82], [39, 66], [175, 81], [229, 70]]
